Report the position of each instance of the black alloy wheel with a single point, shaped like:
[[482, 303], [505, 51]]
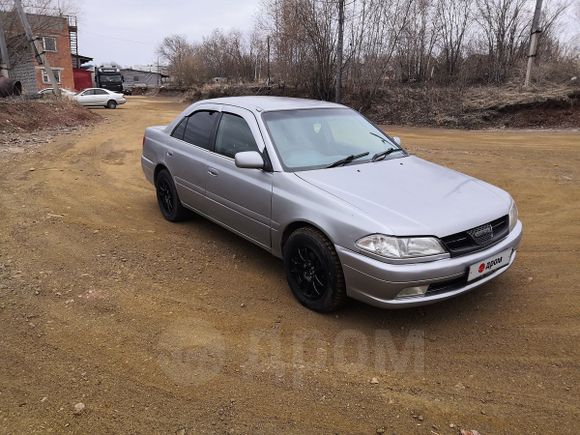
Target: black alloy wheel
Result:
[[313, 270], [167, 198]]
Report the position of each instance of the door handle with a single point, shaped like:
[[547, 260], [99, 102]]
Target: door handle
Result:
[[169, 153], [213, 172]]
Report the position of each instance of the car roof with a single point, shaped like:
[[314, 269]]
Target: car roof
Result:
[[51, 89], [266, 103]]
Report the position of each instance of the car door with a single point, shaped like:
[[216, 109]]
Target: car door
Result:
[[187, 156], [239, 198], [86, 98], [101, 97]]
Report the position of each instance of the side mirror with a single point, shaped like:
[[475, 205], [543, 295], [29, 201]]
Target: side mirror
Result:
[[397, 140], [249, 160]]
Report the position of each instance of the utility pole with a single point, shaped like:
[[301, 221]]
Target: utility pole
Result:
[[37, 48], [268, 68], [158, 75], [339, 49], [533, 41], [256, 67]]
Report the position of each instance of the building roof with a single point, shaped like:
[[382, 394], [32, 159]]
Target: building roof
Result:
[[82, 59], [144, 72]]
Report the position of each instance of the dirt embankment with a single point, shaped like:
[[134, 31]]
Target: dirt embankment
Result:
[[554, 106], [19, 115], [480, 107], [25, 125]]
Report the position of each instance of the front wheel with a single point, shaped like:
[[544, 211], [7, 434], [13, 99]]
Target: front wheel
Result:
[[167, 198], [112, 104], [313, 270]]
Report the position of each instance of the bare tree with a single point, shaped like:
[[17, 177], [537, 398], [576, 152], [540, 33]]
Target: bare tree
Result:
[[552, 13], [385, 24], [453, 17], [226, 55], [178, 53], [303, 35], [418, 39], [504, 24], [385, 41]]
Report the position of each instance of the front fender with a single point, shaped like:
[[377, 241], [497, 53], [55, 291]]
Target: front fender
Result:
[[297, 201]]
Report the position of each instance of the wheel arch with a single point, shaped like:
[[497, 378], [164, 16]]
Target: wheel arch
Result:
[[158, 169], [295, 225]]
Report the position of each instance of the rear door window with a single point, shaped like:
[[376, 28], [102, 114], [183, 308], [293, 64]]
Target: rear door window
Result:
[[199, 128]]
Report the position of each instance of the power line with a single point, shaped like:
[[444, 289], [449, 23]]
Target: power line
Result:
[[117, 38]]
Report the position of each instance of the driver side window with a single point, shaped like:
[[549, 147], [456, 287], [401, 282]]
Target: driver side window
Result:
[[234, 136]]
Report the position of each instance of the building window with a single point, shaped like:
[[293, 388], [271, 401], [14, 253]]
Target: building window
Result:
[[135, 78], [49, 43], [56, 72]]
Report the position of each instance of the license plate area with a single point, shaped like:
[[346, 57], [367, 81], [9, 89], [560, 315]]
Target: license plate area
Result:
[[489, 265]]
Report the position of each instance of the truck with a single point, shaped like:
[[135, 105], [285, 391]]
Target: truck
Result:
[[109, 77]]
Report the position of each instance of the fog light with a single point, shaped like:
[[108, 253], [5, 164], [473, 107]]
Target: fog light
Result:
[[413, 291]]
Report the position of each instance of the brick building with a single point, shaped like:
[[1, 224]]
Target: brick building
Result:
[[57, 34]]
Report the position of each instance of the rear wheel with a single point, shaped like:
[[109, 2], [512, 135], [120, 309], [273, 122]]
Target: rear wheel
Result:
[[112, 104], [167, 198], [313, 270]]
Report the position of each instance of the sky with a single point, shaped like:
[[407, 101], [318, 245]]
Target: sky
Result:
[[128, 32]]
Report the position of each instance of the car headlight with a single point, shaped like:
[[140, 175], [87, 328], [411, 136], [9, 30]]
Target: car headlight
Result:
[[513, 216], [400, 247]]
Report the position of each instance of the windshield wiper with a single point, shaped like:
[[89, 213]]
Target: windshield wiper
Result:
[[347, 159], [383, 154], [380, 137]]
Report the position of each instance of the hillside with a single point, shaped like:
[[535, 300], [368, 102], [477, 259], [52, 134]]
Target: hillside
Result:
[[555, 106]]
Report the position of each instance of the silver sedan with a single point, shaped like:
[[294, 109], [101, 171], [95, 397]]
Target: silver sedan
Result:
[[349, 211]]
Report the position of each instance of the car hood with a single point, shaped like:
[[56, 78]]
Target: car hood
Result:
[[410, 196]]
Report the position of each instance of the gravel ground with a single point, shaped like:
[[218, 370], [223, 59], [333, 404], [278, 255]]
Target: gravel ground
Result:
[[116, 321]]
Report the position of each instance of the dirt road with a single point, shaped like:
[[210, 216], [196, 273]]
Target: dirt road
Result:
[[165, 328]]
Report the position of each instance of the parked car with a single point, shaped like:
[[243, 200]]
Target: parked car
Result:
[[100, 97], [49, 92], [350, 212]]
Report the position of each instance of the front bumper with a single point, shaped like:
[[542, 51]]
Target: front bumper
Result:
[[378, 283]]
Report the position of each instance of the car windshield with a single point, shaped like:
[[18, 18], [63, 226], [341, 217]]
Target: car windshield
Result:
[[110, 79], [317, 138]]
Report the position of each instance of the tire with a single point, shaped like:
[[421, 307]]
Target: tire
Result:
[[112, 104], [313, 270], [167, 198]]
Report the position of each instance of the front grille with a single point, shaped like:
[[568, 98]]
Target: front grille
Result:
[[478, 238]]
